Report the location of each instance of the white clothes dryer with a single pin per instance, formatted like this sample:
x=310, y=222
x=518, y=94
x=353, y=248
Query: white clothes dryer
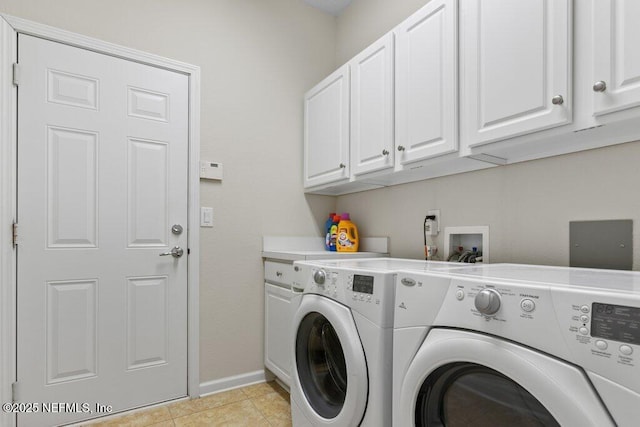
x=342, y=341
x=505, y=345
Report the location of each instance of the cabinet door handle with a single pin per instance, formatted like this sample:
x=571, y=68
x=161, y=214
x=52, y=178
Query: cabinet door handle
x=400, y=148
x=342, y=166
x=278, y=273
x=599, y=86
x=385, y=152
x=557, y=100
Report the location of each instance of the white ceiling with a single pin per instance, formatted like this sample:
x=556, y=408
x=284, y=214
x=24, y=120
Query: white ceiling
x=333, y=7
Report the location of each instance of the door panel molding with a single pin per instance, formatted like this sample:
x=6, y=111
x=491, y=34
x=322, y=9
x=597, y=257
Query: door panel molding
x=10, y=27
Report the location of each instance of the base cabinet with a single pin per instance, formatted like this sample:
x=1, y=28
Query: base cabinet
x=277, y=312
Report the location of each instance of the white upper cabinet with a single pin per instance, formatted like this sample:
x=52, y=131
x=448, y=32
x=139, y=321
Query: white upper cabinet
x=326, y=130
x=372, y=107
x=426, y=83
x=515, y=68
x=616, y=57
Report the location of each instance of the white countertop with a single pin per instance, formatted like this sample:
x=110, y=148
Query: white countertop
x=287, y=248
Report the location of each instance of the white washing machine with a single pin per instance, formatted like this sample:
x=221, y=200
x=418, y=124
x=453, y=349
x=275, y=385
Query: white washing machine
x=342, y=341
x=507, y=345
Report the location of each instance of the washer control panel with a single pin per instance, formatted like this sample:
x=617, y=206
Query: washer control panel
x=368, y=293
x=498, y=302
x=361, y=288
x=591, y=326
x=607, y=330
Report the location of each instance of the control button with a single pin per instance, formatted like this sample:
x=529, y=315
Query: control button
x=361, y=297
x=585, y=309
x=584, y=331
x=459, y=294
x=369, y=298
x=584, y=319
x=626, y=350
x=527, y=305
x=601, y=345
x=355, y=296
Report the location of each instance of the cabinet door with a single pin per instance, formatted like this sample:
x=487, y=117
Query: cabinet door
x=326, y=130
x=616, y=56
x=426, y=83
x=372, y=107
x=277, y=328
x=515, y=67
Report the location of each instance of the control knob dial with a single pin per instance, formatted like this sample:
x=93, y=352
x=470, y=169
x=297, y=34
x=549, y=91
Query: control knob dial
x=319, y=276
x=487, y=301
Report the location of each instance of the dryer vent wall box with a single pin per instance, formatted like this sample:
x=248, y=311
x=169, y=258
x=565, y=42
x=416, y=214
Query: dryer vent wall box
x=210, y=170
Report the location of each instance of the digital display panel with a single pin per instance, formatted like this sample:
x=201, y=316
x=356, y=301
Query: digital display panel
x=616, y=322
x=363, y=284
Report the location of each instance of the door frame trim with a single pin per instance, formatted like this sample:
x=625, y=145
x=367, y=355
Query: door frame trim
x=10, y=27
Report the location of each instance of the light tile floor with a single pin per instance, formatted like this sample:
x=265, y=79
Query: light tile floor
x=265, y=404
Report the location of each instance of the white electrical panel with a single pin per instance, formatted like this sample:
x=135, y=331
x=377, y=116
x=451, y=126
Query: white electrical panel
x=210, y=170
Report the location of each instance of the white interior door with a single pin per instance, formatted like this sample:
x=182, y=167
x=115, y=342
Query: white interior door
x=102, y=178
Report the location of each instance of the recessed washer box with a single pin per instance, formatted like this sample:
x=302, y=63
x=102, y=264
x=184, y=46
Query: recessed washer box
x=468, y=237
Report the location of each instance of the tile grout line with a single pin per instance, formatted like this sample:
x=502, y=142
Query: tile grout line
x=261, y=413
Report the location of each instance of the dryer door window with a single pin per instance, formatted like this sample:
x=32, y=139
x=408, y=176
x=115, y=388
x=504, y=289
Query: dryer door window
x=321, y=365
x=467, y=394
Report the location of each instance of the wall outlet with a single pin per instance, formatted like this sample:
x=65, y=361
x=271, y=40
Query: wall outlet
x=436, y=213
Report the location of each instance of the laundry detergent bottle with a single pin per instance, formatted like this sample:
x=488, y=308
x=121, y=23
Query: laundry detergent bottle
x=327, y=231
x=333, y=233
x=348, y=239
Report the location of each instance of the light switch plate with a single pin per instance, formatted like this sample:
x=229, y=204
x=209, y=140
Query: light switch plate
x=206, y=217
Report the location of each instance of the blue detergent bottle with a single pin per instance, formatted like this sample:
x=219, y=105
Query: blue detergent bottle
x=327, y=231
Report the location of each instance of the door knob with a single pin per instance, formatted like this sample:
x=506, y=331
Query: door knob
x=400, y=148
x=599, y=86
x=385, y=152
x=176, y=252
x=557, y=100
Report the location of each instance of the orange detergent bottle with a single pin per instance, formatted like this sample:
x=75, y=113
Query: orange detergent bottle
x=348, y=240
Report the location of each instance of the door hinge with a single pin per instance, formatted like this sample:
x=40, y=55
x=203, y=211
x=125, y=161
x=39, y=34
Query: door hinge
x=16, y=74
x=14, y=392
x=15, y=234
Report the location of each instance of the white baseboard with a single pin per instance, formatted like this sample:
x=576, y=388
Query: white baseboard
x=229, y=383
